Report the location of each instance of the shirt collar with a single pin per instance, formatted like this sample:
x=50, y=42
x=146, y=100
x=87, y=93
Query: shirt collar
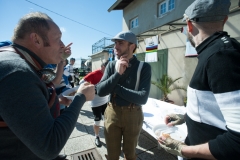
x=207, y=41
x=132, y=59
x=39, y=60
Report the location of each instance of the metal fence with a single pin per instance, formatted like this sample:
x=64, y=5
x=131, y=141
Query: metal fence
x=101, y=44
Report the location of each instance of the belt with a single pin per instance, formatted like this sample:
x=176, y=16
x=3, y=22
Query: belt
x=132, y=105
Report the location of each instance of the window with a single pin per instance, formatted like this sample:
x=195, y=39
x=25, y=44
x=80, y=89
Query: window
x=171, y=4
x=166, y=6
x=134, y=23
x=163, y=8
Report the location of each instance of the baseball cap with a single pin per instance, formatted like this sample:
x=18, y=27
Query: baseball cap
x=126, y=36
x=207, y=10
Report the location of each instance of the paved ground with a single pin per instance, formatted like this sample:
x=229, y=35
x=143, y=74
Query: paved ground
x=82, y=138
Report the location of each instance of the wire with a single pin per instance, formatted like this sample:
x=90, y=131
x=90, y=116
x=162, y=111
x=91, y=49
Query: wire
x=68, y=18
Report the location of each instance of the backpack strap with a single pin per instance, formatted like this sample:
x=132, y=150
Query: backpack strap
x=138, y=74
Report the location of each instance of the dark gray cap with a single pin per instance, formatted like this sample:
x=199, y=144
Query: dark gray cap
x=207, y=10
x=126, y=36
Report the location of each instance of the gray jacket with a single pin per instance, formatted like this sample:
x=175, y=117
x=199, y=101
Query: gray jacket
x=32, y=132
x=123, y=85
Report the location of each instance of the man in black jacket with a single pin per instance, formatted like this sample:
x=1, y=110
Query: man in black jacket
x=213, y=105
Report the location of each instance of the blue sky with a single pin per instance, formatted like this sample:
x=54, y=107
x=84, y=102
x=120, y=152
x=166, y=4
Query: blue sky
x=88, y=13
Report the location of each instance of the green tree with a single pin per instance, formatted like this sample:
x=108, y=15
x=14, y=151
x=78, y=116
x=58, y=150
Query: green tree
x=166, y=86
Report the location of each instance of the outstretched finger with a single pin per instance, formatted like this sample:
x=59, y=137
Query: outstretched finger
x=69, y=45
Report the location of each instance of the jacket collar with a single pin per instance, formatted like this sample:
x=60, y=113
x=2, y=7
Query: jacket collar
x=39, y=60
x=209, y=40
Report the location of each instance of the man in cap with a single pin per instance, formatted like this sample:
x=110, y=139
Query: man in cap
x=123, y=115
x=213, y=105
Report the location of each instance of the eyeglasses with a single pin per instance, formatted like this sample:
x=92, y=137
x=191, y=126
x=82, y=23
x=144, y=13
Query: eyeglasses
x=53, y=94
x=47, y=75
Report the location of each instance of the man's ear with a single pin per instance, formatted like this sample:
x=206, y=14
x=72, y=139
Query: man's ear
x=189, y=26
x=133, y=46
x=36, y=40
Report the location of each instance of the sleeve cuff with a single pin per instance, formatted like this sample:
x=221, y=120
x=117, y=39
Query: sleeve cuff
x=116, y=74
x=80, y=95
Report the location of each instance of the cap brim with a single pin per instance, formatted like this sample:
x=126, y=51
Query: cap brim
x=122, y=39
x=114, y=39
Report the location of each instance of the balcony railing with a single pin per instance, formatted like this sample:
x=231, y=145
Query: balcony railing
x=101, y=44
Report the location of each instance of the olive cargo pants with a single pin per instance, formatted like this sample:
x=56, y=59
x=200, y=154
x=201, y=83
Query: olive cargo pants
x=122, y=123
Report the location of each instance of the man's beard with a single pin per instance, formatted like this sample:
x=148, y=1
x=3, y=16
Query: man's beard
x=125, y=53
x=190, y=38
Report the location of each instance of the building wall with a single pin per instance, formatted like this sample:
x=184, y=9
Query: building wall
x=147, y=12
x=232, y=25
x=98, y=59
x=178, y=64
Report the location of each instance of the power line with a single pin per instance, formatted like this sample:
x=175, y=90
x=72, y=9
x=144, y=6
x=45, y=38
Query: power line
x=68, y=18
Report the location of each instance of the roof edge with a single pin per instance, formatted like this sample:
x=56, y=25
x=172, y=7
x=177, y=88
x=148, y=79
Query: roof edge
x=114, y=5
